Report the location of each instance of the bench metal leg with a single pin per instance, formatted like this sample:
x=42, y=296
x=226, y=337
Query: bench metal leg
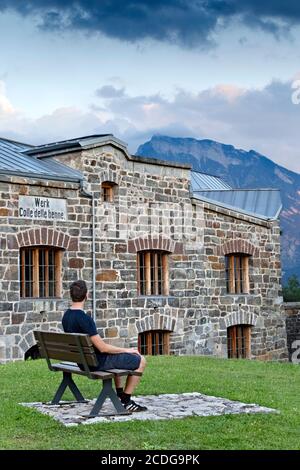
x=108, y=392
x=67, y=382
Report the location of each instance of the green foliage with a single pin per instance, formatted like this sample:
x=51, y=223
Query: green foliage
x=270, y=384
x=291, y=292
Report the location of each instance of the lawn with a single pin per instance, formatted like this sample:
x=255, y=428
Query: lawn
x=276, y=385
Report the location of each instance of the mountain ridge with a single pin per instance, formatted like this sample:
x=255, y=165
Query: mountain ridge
x=240, y=169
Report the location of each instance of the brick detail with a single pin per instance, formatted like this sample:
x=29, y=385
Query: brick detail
x=154, y=243
x=156, y=322
x=237, y=246
x=43, y=236
x=240, y=318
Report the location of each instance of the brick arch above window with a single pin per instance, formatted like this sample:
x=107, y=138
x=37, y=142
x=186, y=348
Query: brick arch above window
x=240, y=318
x=156, y=322
x=154, y=243
x=237, y=246
x=42, y=236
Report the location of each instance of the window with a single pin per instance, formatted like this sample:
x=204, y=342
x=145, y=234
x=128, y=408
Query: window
x=40, y=272
x=237, y=274
x=108, y=191
x=154, y=343
x=153, y=273
x=238, y=341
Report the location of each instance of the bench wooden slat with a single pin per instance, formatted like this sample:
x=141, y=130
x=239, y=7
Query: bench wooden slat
x=70, y=356
x=99, y=374
x=123, y=372
x=68, y=338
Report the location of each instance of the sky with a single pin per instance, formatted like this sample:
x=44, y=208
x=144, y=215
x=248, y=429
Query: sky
x=227, y=70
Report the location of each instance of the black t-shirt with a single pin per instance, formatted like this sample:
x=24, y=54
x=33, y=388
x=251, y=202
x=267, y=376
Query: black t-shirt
x=77, y=321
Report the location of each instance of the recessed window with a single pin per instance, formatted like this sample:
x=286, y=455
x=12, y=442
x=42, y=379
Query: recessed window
x=40, y=272
x=239, y=341
x=154, y=343
x=108, y=190
x=237, y=274
x=153, y=273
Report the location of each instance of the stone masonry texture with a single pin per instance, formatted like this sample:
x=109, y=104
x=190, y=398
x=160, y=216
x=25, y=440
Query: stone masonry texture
x=152, y=209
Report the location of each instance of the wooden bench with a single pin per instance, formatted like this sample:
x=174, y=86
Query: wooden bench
x=73, y=349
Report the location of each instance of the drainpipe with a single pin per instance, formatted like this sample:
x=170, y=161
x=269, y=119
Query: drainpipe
x=84, y=193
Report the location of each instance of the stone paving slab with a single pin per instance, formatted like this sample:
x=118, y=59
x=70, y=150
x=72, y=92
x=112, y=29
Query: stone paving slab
x=168, y=406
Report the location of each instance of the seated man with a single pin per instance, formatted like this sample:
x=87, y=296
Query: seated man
x=75, y=320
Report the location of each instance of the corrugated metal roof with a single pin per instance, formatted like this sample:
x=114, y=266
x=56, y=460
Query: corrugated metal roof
x=14, y=161
x=262, y=203
x=202, y=181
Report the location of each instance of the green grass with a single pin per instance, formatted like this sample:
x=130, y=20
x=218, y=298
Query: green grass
x=270, y=384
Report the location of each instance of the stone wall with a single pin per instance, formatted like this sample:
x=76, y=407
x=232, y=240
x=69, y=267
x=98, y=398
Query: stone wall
x=152, y=209
x=292, y=311
x=19, y=317
x=228, y=232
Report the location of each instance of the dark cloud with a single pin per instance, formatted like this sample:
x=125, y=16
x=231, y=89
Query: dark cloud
x=186, y=22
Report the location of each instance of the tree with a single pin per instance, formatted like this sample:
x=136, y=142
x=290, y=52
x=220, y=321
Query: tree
x=291, y=292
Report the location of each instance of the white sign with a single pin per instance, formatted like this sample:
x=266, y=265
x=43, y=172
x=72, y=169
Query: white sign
x=42, y=208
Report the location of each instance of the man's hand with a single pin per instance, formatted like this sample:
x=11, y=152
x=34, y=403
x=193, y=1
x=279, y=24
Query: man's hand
x=132, y=351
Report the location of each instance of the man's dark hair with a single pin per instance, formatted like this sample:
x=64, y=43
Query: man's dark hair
x=78, y=291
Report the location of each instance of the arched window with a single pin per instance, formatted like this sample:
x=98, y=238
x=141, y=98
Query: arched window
x=108, y=191
x=153, y=272
x=40, y=272
x=239, y=341
x=237, y=273
x=154, y=343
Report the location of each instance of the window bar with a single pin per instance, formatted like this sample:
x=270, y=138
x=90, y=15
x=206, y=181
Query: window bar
x=46, y=272
x=155, y=269
x=148, y=272
x=23, y=291
x=138, y=274
x=231, y=275
x=237, y=274
x=35, y=272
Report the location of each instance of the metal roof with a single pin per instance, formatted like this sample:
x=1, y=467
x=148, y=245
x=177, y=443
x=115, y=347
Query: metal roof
x=14, y=162
x=68, y=144
x=202, y=181
x=261, y=203
x=15, y=159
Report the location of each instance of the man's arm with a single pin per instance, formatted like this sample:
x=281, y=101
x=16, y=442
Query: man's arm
x=108, y=348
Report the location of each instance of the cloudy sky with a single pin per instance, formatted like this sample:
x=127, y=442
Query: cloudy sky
x=216, y=69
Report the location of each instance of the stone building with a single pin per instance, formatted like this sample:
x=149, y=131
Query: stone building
x=176, y=261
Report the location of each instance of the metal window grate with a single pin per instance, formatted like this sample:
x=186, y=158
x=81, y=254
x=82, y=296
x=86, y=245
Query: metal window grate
x=237, y=273
x=154, y=343
x=239, y=341
x=40, y=272
x=153, y=273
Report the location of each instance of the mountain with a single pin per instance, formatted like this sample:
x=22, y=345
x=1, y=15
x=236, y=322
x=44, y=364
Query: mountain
x=241, y=169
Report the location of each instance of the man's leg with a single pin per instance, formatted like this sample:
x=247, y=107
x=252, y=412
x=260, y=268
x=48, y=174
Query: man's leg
x=133, y=380
x=131, y=383
x=119, y=386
